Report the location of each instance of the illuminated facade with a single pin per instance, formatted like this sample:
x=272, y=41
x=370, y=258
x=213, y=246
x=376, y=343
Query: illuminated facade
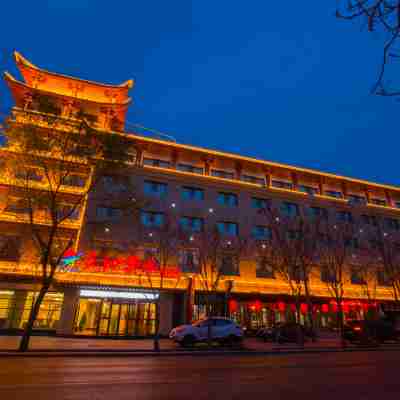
x=201, y=187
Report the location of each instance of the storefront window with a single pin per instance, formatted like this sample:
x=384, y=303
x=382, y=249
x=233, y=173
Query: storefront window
x=6, y=300
x=49, y=312
x=115, y=317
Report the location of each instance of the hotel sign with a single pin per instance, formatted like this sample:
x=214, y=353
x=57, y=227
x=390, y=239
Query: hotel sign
x=130, y=265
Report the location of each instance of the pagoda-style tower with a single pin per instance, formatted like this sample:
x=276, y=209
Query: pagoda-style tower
x=103, y=106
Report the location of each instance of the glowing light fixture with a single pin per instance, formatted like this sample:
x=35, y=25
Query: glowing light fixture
x=119, y=295
x=107, y=230
x=211, y=210
x=173, y=205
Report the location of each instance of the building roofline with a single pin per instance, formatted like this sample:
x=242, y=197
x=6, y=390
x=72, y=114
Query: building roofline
x=13, y=81
x=267, y=164
x=20, y=59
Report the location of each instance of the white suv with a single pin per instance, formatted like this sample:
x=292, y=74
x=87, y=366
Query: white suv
x=223, y=330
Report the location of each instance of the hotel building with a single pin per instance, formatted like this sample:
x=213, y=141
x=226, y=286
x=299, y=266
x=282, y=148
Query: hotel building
x=202, y=187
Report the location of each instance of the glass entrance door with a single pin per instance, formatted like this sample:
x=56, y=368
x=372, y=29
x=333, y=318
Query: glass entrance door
x=111, y=317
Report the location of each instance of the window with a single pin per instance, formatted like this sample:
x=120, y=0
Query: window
x=293, y=234
x=356, y=276
x=355, y=199
x=74, y=180
x=192, y=193
x=152, y=219
x=260, y=203
x=66, y=212
x=222, y=174
x=351, y=243
x=289, y=209
x=369, y=220
x=222, y=322
x=317, y=212
x=261, y=232
x=253, y=179
x=31, y=174
x=378, y=202
x=228, y=199
x=192, y=224
x=10, y=248
x=282, y=184
x=113, y=184
x=391, y=223
x=228, y=228
x=190, y=168
x=189, y=260
x=383, y=278
x=334, y=193
x=327, y=275
x=157, y=189
x=109, y=213
x=264, y=269
x=156, y=163
x=17, y=206
x=344, y=216
x=296, y=273
x=308, y=189
x=228, y=265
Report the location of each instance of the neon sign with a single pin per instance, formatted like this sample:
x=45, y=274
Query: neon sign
x=131, y=265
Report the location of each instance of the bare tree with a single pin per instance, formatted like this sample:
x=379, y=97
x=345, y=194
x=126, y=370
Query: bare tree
x=161, y=246
x=385, y=249
x=41, y=161
x=378, y=15
x=291, y=251
x=218, y=258
x=334, y=256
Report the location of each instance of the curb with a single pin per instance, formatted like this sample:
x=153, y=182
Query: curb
x=195, y=353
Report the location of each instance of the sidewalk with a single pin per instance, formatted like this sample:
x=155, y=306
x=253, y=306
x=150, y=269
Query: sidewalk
x=9, y=344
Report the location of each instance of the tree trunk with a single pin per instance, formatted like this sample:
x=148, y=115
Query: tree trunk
x=24, y=344
x=310, y=312
x=341, y=324
x=156, y=343
x=300, y=338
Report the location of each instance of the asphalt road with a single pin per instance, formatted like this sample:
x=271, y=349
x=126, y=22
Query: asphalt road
x=339, y=376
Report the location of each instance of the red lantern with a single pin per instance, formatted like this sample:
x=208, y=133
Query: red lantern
x=303, y=308
x=232, y=305
x=334, y=307
x=293, y=307
x=281, y=306
x=345, y=307
x=315, y=308
x=325, y=308
x=257, y=306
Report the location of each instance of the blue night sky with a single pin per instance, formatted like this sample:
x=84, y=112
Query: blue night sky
x=257, y=78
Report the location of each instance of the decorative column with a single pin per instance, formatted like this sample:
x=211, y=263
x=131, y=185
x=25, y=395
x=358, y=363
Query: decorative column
x=189, y=299
x=295, y=181
x=228, y=289
x=174, y=159
x=344, y=189
x=238, y=171
x=267, y=178
x=69, y=308
x=367, y=195
x=388, y=198
x=166, y=308
x=321, y=186
x=207, y=165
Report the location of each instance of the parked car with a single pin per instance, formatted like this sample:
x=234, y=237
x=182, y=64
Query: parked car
x=223, y=330
x=373, y=331
x=284, y=333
